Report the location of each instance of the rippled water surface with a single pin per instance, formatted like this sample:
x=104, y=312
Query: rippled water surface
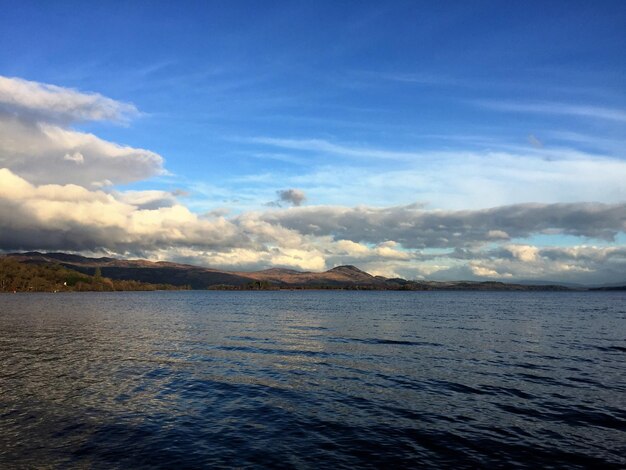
x=312, y=379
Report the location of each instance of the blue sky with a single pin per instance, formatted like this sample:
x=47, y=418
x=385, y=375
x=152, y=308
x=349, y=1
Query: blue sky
x=453, y=106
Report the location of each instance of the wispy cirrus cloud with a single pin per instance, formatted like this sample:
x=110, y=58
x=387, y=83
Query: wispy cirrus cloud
x=454, y=178
x=416, y=78
x=320, y=145
x=584, y=111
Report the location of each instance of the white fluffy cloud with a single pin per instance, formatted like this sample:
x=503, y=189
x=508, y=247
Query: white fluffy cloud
x=73, y=217
x=37, y=143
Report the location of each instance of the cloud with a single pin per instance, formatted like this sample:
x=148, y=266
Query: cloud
x=414, y=227
x=418, y=78
x=37, y=144
x=43, y=102
x=75, y=157
x=534, y=141
x=71, y=217
x=481, y=271
x=454, y=179
x=319, y=145
x=523, y=252
x=150, y=199
x=292, y=196
x=498, y=235
x=583, y=264
x=102, y=184
x=590, y=112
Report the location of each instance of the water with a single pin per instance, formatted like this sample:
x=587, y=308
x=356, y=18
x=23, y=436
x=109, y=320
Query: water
x=313, y=379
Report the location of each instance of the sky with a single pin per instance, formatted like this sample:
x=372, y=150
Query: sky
x=428, y=140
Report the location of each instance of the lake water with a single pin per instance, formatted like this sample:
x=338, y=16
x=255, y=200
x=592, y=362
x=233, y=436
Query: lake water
x=313, y=379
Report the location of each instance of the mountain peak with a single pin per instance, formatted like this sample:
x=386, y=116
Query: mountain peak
x=350, y=271
x=347, y=267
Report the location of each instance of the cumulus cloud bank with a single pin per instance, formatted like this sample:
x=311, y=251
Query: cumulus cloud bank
x=390, y=241
x=415, y=227
x=57, y=192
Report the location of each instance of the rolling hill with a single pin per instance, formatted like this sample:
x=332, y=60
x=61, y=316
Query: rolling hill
x=198, y=277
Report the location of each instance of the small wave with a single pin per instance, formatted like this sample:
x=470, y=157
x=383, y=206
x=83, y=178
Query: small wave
x=612, y=348
x=584, y=416
x=528, y=365
x=384, y=341
x=252, y=339
x=495, y=390
x=542, y=379
x=574, y=416
x=584, y=380
x=277, y=352
x=459, y=388
x=310, y=328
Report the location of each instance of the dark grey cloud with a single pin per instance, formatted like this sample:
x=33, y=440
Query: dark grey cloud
x=417, y=228
x=291, y=196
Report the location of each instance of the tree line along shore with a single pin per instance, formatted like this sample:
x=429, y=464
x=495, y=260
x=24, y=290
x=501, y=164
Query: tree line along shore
x=25, y=277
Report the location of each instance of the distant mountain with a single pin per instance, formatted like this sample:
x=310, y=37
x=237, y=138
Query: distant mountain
x=197, y=277
x=541, y=282
x=341, y=276
x=139, y=270
x=610, y=286
x=605, y=288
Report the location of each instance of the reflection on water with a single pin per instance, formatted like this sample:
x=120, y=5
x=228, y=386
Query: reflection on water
x=304, y=379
